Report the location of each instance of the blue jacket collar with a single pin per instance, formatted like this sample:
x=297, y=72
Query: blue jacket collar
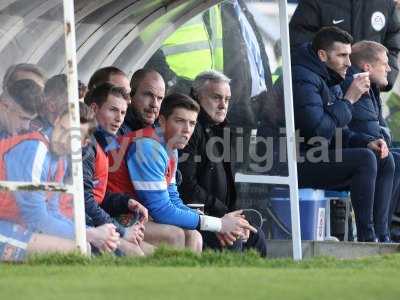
x=106, y=140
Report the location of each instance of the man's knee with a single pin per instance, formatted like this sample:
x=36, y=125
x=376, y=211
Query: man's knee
x=174, y=236
x=367, y=160
x=258, y=242
x=389, y=164
x=164, y=234
x=194, y=240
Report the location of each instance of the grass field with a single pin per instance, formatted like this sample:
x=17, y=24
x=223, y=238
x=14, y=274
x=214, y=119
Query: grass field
x=175, y=275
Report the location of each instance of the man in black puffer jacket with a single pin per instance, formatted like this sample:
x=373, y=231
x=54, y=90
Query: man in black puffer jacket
x=374, y=20
x=205, y=167
x=320, y=109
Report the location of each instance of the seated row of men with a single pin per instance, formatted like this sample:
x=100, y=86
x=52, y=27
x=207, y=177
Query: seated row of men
x=133, y=153
x=120, y=164
x=338, y=113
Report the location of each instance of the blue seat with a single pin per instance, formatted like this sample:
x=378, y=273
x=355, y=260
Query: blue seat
x=337, y=194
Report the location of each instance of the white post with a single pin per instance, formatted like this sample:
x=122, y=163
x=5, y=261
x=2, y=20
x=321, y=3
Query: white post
x=291, y=141
x=73, y=104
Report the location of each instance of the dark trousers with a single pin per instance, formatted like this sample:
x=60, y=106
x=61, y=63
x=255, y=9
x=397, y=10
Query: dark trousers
x=256, y=241
x=394, y=205
x=369, y=179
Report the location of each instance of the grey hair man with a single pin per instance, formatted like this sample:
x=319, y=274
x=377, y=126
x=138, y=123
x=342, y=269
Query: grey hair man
x=206, y=171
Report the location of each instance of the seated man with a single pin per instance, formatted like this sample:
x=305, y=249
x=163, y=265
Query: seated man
x=321, y=113
x=35, y=221
x=367, y=120
x=206, y=173
x=147, y=93
x=109, y=104
x=145, y=166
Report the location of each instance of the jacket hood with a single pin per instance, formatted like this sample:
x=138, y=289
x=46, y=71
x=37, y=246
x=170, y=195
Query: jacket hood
x=306, y=57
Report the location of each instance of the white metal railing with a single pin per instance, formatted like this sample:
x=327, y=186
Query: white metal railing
x=290, y=180
x=73, y=98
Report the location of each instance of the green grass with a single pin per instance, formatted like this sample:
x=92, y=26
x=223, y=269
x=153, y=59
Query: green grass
x=172, y=274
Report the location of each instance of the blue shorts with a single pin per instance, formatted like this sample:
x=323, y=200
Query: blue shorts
x=14, y=240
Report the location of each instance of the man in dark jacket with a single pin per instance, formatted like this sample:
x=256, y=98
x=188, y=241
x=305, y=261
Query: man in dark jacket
x=205, y=167
x=320, y=110
x=368, y=121
x=374, y=20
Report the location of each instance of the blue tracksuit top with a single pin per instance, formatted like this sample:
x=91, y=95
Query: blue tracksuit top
x=147, y=161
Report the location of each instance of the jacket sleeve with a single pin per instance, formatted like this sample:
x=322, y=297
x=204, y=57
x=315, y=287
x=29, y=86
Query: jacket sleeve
x=98, y=216
x=311, y=117
x=175, y=198
x=304, y=23
x=355, y=139
x=191, y=190
x=147, y=162
x=392, y=43
x=385, y=130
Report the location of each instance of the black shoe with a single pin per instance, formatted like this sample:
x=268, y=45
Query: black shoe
x=369, y=240
x=385, y=239
x=367, y=237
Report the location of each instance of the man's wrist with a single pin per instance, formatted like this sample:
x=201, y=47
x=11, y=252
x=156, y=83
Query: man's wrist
x=347, y=101
x=208, y=223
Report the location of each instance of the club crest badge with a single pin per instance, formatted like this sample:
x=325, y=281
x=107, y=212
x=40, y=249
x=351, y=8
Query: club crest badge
x=378, y=21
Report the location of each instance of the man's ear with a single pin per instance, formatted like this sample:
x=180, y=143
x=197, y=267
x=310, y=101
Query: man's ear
x=366, y=67
x=323, y=55
x=51, y=106
x=94, y=107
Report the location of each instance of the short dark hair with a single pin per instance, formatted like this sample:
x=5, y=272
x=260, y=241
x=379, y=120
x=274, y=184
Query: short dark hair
x=11, y=74
x=27, y=94
x=100, y=93
x=177, y=100
x=103, y=75
x=138, y=77
x=56, y=87
x=327, y=36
